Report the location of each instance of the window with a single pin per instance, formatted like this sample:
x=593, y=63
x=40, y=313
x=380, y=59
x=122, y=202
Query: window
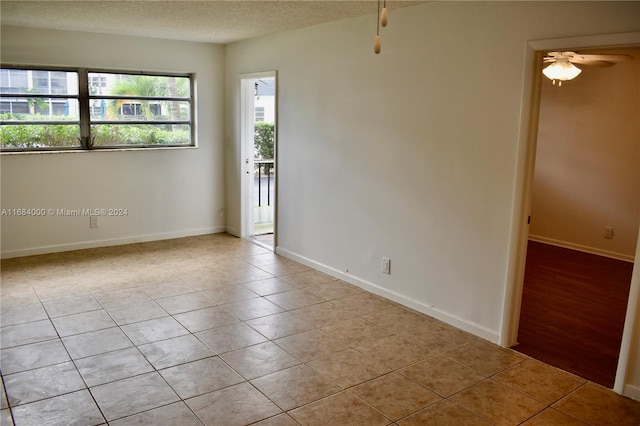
x=97, y=82
x=259, y=114
x=45, y=109
x=131, y=109
x=12, y=81
x=39, y=109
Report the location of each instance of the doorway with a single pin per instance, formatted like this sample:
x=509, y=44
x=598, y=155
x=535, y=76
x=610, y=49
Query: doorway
x=258, y=153
x=577, y=276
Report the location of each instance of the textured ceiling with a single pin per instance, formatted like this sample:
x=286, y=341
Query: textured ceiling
x=207, y=21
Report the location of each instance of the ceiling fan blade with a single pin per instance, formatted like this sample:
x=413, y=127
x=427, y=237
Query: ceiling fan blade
x=608, y=58
x=560, y=54
x=591, y=62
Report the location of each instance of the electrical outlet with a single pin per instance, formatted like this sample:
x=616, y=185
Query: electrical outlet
x=608, y=232
x=94, y=222
x=386, y=265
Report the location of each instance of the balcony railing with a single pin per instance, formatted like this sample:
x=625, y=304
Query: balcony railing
x=264, y=196
x=265, y=179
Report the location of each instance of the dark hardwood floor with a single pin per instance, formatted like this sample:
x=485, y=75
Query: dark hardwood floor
x=573, y=310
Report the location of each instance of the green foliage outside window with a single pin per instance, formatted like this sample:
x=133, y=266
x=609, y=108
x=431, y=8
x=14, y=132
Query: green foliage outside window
x=38, y=136
x=151, y=86
x=66, y=135
x=141, y=135
x=263, y=140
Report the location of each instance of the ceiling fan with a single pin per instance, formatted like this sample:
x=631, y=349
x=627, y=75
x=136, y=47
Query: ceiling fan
x=562, y=66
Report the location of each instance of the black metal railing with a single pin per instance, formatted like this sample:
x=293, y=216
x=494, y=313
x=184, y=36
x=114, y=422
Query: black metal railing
x=266, y=169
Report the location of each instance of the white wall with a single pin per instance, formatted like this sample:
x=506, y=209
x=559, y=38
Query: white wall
x=168, y=193
x=410, y=154
x=587, y=172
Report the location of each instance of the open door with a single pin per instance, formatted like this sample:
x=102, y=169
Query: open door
x=577, y=269
x=258, y=138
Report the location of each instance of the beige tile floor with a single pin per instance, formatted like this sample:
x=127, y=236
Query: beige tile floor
x=214, y=330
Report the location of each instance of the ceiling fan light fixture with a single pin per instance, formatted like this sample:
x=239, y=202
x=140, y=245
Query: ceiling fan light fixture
x=561, y=70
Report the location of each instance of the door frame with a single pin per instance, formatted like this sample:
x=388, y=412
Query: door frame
x=527, y=141
x=247, y=122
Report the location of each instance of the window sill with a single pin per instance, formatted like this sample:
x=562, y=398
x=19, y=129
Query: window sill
x=79, y=151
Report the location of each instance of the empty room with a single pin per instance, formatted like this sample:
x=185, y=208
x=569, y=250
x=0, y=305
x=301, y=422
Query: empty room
x=316, y=212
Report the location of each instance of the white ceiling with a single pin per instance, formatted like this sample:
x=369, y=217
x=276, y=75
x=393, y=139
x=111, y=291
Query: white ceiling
x=213, y=21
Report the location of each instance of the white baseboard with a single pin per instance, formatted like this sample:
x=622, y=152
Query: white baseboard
x=578, y=247
x=632, y=391
x=441, y=315
x=233, y=231
x=56, y=248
